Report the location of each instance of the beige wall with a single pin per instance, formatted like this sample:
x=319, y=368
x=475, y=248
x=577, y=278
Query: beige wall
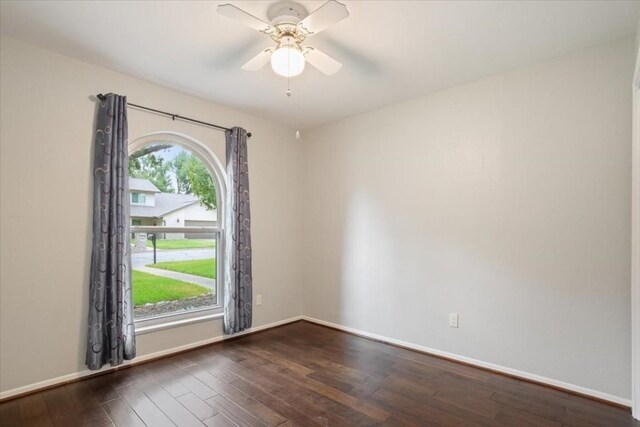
x=46, y=139
x=506, y=200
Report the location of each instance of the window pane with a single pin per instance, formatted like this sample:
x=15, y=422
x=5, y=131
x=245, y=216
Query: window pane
x=182, y=277
x=138, y=198
x=172, y=272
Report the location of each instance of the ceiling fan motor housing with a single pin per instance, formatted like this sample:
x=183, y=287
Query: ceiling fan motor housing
x=286, y=12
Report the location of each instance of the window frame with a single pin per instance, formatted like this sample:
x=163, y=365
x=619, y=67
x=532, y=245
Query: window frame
x=218, y=175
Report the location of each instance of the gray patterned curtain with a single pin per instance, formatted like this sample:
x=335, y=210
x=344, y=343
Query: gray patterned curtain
x=237, y=267
x=111, y=337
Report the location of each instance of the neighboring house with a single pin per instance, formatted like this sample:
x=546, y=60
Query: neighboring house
x=150, y=206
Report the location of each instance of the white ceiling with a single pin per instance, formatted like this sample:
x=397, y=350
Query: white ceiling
x=391, y=50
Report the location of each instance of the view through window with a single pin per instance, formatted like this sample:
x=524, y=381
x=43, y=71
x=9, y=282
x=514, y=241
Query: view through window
x=174, y=232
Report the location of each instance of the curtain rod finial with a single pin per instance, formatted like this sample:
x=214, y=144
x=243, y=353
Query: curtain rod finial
x=248, y=134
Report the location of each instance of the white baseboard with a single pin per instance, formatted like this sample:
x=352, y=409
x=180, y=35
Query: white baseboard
x=479, y=363
x=139, y=359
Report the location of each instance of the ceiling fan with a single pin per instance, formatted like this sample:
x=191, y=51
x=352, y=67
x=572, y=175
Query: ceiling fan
x=289, y=28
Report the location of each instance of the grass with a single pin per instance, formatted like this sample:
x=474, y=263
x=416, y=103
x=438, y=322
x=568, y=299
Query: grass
x=182, y=244
x=148, y=288
x=197, y=267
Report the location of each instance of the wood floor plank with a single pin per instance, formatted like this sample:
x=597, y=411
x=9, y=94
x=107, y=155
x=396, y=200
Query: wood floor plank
x=551, y=411
x=163, y=375
x=32, y=406
x=126, y=377
x=62, y=409
x=121, y=413
x=588, y=416
x=418, y=411
x=233, y=412
x=148, y=412
x=42, y=420
x=370, y=410
x=323, y=409
x=10, y=413
x=288, y=363
x=102, y=388
x=335, y=380
x=366, y=363
x=87, y=405
x=303, y=400
x=408, y=387
x=194, y=385
x=324, y=390
x=197, y=406
x=214, y=364
x=303, y=374
x=173, y=409
x=515, y=417
x=367, y=388
x=279, y=405
x=577, y=405
x=219, y=421
x=268, y=416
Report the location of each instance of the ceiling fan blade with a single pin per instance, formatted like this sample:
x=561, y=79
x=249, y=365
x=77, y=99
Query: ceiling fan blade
x=258, y=61
x=321, y=61
x=239, y=15
x=323, y=17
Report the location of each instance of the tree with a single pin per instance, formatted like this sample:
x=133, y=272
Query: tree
x=153, y=168
x=193, y=177
x=179, y=166
x=148, y=150
x=201, y=183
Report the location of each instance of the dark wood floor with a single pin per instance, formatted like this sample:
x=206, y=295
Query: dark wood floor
x=307, y=375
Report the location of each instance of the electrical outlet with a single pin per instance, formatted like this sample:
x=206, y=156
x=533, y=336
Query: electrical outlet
x=258, y=299
x=453, y=320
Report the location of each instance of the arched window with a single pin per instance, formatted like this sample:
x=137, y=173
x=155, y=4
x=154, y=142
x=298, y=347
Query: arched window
x=176, y=187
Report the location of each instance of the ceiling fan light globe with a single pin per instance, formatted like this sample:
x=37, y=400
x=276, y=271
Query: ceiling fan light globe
x=287, y=61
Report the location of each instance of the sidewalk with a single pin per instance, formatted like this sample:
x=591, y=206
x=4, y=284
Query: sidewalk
x=198, y=280
x=140, y=259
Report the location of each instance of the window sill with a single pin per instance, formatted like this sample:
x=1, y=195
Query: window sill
x=141, y=330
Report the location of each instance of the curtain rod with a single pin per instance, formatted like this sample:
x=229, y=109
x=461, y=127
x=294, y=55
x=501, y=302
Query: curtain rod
x=102, y=97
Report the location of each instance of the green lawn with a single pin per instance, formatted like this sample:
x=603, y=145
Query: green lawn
x=148, y=288
x=182, y=244
x=198, y=267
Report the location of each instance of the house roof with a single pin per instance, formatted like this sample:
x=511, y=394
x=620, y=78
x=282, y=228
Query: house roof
x=139, y=184
x=165, y=203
